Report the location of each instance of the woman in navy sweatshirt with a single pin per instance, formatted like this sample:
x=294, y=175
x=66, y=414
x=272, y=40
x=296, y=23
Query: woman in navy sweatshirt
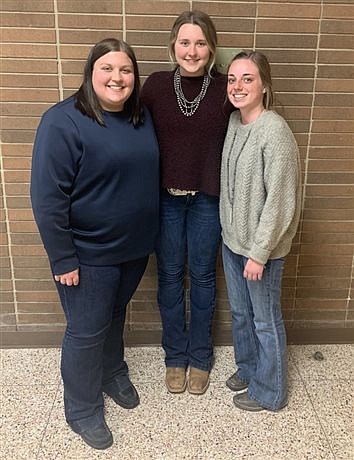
x=94, y=191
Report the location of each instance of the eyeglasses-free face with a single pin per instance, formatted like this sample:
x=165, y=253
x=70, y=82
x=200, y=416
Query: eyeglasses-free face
x=113, y=80
x=245, y=88
x=191, y=50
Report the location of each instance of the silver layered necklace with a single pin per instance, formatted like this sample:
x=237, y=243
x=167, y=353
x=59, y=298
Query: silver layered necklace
x=188, y=108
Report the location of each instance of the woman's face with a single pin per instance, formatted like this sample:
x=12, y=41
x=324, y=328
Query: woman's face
x=245, y=88
x=113, y=80
x=191, y=50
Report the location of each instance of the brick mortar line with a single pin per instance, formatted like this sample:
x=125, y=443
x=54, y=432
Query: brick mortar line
x=306, y=171
x=57, y=45
x=124, y=21
x=311, y=119
x=351, y=285
x=255, y=25
x=9, y=239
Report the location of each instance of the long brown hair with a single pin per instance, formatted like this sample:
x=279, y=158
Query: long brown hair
x=263, y=66
x=86, y=99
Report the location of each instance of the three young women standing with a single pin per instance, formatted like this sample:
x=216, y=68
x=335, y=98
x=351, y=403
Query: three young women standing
x=190, y=118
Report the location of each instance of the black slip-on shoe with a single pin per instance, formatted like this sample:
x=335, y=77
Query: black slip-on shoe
x=99, y=437
x=124, y=394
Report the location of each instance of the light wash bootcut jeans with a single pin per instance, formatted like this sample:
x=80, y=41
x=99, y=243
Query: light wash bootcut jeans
x=188, y=225
x=258, y=329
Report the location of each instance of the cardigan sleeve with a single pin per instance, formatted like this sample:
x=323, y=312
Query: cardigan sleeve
x=281, y=182
x=55, y=162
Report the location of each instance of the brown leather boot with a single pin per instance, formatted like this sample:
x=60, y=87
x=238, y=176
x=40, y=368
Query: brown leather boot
x=176, y=381
x=198, y=381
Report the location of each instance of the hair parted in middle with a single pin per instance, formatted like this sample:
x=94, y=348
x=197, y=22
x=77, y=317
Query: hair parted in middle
x=85, y=98
x=262, y=63
x=201, y=19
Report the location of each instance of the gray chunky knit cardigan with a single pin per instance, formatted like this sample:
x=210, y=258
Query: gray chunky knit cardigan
x=260, y=199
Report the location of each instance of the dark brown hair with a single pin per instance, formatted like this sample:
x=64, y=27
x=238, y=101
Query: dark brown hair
x=86, y=99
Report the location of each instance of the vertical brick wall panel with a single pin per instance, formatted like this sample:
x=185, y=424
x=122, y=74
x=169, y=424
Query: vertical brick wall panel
x=310, y=46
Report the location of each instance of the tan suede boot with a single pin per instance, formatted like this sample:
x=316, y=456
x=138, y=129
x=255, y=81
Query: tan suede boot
x=176, y=381
x=198, y=381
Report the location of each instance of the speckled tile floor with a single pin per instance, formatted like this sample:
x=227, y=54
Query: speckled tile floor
x=317, y=423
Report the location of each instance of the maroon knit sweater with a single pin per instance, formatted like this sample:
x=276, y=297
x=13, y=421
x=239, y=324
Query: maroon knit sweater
x=190, y=147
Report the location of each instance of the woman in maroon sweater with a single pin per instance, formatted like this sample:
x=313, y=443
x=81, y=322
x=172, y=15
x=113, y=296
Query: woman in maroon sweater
x=190, y=117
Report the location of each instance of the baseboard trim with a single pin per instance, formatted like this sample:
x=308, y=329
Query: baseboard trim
x=53, y=339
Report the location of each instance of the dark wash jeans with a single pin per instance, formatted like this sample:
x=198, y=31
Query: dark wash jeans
x=188, y=224
x=93, y=348
x=258, y=329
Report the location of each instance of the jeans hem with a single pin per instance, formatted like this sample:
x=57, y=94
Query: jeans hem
x=265, y=405
x=242, y=379
x=205, y=367
x=88, y=423
x=176, y=364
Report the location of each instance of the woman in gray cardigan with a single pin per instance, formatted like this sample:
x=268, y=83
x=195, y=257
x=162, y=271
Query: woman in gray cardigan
x=259, y=209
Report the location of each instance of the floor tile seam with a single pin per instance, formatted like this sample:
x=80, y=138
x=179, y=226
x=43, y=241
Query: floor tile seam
x=218, y=382
x=30, y=384
x=215, y=381
x=326, y=379
x=52, y=408
x=295, y=362
x=315, y=411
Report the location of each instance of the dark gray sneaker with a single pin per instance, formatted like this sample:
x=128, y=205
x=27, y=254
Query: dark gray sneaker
x=99, y=437
x=243, y=401
x=235, y=384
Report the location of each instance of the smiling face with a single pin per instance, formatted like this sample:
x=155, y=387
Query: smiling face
x=191, y=50
x=245, y=88
x=113, y=80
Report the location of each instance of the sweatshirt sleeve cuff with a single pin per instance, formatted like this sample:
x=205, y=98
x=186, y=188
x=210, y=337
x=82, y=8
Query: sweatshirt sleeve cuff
x=59, y=267
x=259, y=254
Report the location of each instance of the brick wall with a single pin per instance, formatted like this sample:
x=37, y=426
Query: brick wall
x=310, y=46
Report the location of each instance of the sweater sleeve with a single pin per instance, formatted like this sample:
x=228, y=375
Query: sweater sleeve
x=281, y=181
x=56, y=154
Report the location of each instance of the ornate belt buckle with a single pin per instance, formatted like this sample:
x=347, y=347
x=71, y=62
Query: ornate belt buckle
x=178, y=192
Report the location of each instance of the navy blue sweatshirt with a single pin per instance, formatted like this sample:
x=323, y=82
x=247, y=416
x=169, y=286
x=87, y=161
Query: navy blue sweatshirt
x=94, y=189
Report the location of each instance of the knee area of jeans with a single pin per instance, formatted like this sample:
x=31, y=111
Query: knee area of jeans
x=202, y=278
x=171, y=277
x=266, y=325
x=88, y=336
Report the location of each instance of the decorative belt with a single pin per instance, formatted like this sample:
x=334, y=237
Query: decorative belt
x=178, y=192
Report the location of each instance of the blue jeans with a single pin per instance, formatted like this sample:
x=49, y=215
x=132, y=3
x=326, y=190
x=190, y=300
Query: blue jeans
x=188, y=225
x=258, y=329
x=93, y=348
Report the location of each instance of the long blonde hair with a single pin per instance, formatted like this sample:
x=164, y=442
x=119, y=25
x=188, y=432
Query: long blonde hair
x=205, y=23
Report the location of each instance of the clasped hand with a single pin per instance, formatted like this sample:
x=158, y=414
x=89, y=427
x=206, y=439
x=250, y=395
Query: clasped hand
x=253, y=270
